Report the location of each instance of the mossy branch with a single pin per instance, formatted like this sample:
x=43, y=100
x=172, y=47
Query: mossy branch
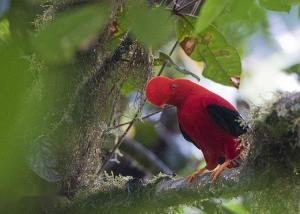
x=271, y=168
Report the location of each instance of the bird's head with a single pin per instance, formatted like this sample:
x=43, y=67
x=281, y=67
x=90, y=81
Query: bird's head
x=162, y=90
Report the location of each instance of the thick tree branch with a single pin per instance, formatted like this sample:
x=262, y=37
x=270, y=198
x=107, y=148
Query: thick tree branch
x=272, y=166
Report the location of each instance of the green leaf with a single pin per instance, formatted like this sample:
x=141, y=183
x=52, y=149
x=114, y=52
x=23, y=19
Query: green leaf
x=210, y=11
x=276, y=5
x=237, y=26
x=60, y=39
x=151, y=26
x=222, y=60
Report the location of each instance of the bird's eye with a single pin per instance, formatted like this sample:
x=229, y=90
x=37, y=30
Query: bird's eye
x=173, y=87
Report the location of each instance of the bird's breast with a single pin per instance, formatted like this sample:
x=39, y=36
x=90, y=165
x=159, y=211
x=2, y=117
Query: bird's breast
x=196, y=123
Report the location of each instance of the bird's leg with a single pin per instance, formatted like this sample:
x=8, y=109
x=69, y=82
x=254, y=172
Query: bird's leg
x=217, y=171
x=192, y=176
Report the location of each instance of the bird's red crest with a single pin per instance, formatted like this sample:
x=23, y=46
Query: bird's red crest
x=158, y=90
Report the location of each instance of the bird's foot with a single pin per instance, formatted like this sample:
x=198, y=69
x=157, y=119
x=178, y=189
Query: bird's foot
x=192, y=176
x=218, y=170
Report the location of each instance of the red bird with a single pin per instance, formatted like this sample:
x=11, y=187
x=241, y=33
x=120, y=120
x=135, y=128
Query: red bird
x=205, y=119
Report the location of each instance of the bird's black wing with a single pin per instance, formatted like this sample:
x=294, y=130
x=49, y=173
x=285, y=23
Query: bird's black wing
x=229, y=120
x=186, y=137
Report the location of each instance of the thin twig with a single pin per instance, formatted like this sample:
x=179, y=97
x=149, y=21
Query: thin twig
x=196, y=6
x=142, y=118
x=165, y=63
x=186, y=5
x=175, y=2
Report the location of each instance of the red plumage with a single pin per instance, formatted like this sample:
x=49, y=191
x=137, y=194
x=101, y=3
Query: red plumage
x=205, y=118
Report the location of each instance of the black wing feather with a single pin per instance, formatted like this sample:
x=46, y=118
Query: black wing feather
x=229, y=120
x=185, y=136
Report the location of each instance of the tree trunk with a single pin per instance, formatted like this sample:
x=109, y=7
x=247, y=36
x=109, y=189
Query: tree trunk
x=78, y=134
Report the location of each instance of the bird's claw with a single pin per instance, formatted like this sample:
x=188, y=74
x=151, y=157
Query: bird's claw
x=214, y=175
x=216, y=172
x=192, y=176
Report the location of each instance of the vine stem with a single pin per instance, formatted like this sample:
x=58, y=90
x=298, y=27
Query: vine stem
x=142, y=118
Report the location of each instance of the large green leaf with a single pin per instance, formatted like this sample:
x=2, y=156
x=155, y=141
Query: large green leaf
x=222, y=61
x=151, y=26
x=210, y=11
x=237, y=25
x=59, y=40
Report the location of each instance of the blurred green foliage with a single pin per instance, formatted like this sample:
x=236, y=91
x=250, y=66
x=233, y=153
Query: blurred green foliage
x=209, y=12
x=4, y=30
x=279, y=5
x=235, y=206
x=14, y=82
x=237, y=26
x=146, y=134
x=151, y=26
x=35, y=90
x=62, y=37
